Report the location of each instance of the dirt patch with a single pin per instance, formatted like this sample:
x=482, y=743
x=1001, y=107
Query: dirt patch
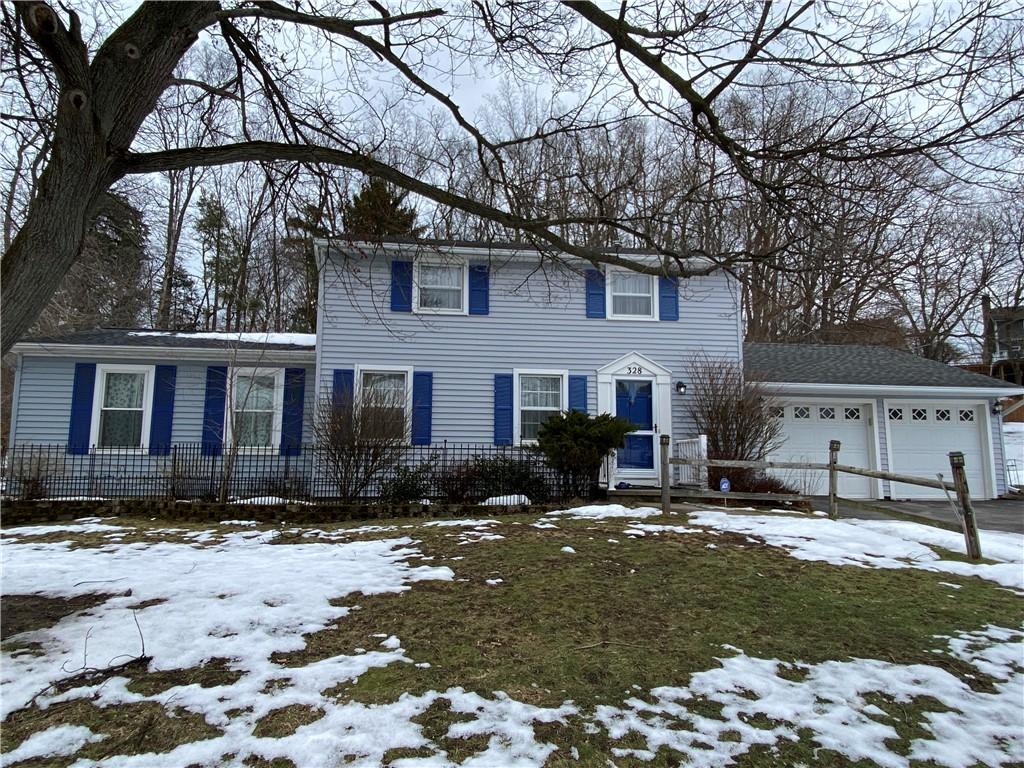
x=212, y=673
x=27, y=613
x=286, y=721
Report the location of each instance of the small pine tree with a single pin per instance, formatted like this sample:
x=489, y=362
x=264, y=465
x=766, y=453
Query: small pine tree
x=377, y=210
x=576, y=444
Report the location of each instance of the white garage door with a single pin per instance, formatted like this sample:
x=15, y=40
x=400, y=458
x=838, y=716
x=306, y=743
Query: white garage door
x=923, y=434
x=808, y=426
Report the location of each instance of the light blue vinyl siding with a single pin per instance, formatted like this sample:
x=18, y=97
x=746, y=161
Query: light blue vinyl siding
x=44, y=401
x=537, y=319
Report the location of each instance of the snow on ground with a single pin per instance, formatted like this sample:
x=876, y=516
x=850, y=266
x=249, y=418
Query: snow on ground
x=513, y=500
x=876, y=543
x=60, y=740
x=84, y=525
x=602, y=511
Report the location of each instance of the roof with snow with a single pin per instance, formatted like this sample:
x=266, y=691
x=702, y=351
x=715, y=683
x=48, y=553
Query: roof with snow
x=144, y=337
x=857, y=364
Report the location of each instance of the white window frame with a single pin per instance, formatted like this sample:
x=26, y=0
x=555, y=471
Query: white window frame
x=609, y=297
x=517, y=408
x=407, y=370
x=229, y=408
x=462, y=264
x=99, y=389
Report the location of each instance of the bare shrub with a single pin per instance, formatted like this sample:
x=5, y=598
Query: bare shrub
x=735, y=414
x=31, y=473
x=360, y=439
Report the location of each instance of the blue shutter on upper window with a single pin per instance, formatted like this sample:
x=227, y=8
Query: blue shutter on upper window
x=213, y=409
x=595, y=293
x=161, y=423
x=479, y=289
x=291, y=411
x=668, y=298
x=503, y=409
x=343, y=388
x=422, y=406
x=81, y=407
x=401, y=286
x=578, y=393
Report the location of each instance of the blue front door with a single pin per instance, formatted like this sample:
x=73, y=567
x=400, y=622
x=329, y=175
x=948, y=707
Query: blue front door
x=634, y=401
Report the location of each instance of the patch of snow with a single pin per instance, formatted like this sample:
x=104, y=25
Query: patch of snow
x=641, y=528
x=495, y=582
x=77, y=527
x=53, y=742
x=247, y=523
x=543, y=525
x=257, y=337
x=268, y=500
x=459, y=523
x=569, y=550
x=602, y=511
x=877, y=544
x=513, y=500
x=392, y=643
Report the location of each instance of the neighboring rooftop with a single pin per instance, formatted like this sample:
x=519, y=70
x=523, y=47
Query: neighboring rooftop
x=857, y=364
x=144, y=337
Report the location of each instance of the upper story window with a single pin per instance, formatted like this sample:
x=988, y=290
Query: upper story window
x=631, y=295
x=540, y=395
x=257, y=395
x=384, y=402
x=441, y=287
x=121, y=412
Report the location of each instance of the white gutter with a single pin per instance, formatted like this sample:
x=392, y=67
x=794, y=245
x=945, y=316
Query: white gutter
x=892, y=389
x=39, y=349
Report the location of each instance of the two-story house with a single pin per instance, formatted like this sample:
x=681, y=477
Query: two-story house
x=482, y=342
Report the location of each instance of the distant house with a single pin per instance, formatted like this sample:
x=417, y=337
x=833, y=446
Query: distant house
x=484, y=342
x=1004, y=342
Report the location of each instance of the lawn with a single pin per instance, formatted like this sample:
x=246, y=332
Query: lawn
x=600, y=636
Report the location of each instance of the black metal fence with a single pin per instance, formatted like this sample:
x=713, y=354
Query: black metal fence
x=449, y=472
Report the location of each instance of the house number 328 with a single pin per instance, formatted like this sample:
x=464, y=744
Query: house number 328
x=634, y=370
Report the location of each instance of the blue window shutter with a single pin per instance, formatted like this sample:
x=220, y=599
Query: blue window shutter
x=343, y=388
x=578, y=393
x=163, y=410
x=668, y=298
x=479, y=289
x=213, y=409
x=291, y=411
x=401, y=286
x=503, y=409
x=81, y=407
x=422, y=406
x=595, y=293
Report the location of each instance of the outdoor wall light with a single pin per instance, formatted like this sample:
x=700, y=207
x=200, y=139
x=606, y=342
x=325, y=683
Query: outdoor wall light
x=997, y=408
x=680, y=388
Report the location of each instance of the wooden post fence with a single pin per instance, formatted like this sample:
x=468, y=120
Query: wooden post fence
x=833, y=479
x=963, y=497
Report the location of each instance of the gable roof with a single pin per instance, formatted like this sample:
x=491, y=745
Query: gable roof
x=144, y=337
x=856, y=364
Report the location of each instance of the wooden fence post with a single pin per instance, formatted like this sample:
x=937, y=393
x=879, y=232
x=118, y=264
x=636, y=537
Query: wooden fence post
x=833, y=479
x=666, y=476
x=963, y=496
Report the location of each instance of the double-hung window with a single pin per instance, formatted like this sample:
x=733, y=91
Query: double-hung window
x=121, y=412
x=631, y=295
x=441, y=287
x=257, y=395
x=540, y=394
x=384, y=401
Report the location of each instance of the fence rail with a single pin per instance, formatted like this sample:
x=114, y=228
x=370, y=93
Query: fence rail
x=450, y=472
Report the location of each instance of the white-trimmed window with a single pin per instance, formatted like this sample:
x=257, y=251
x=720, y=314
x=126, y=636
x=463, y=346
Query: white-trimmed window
x=539, y=394
x=256, y=398
x=122, y=409
x=387, y=391
x=441, y=287
x=631, y=295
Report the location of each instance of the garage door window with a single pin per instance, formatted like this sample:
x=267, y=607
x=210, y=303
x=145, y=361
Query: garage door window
x=777, y=412
x=895, y=414
x=919, y=414
x=801, y=412
x=827, y=413
x=851, y=414
x=942, y=414
x=966, y=414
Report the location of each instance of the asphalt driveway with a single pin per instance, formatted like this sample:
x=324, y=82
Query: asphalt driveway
x=996, y=515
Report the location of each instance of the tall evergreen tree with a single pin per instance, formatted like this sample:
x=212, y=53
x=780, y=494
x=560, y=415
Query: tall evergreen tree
x=378, y=210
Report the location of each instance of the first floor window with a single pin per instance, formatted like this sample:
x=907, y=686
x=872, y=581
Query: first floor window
x=122, y=409
x=540, y=396
x=440, y=287
x=383, y=400
x=255, y=404
x=632, y=294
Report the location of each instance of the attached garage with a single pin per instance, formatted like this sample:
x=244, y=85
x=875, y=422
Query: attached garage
x=891, y=410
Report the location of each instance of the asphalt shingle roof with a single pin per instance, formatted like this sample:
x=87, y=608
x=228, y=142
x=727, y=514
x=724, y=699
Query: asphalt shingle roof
x=854, y=364
x=144, y=337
